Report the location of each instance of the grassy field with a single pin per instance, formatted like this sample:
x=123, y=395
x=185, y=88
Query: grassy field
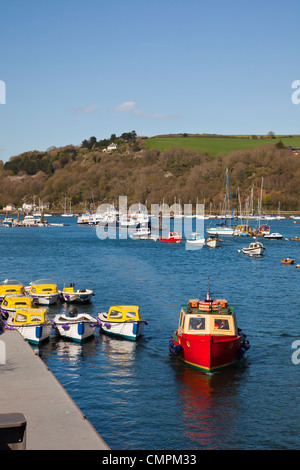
x=215, y=145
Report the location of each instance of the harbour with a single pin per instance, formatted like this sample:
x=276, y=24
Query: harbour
x=136, y=395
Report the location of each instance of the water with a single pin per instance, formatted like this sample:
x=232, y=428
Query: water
x=136, y=395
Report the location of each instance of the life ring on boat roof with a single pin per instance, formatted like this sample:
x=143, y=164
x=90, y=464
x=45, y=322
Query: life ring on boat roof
x=207, y=305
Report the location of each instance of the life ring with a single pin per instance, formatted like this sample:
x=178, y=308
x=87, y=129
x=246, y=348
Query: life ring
x=207, y=306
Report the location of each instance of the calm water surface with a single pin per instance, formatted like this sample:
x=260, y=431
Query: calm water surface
x=136, y=395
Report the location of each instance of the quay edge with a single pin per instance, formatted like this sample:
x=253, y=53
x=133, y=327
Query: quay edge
x=53, y=420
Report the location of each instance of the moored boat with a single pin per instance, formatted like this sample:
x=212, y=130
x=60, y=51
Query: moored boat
x=10, y=286
x=172, y=237
x=123, y=321
x=11, y=303
x=77, y=327
x=196, y=239
x=44, y=291
x=207, y=337
x=213, y=242
x=32, y=323
x=254, y=249
x=287, y=261
x=70, y=295
x=273, y=236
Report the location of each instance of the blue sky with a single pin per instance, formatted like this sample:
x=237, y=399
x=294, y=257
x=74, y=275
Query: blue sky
x=75, y=69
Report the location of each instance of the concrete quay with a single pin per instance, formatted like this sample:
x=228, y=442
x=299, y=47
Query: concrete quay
x=53, y=420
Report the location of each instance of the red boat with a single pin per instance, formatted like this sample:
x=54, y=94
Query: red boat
x=173, y=237
x=207, y=336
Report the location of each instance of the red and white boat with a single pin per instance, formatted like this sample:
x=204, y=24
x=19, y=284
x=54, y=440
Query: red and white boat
x=207, y=336
x=173, y=237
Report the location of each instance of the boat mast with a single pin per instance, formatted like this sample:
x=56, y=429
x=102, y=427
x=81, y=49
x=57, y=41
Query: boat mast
x=229, y=191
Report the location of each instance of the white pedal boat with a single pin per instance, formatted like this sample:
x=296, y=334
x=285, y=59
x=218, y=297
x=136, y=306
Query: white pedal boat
x=77, y=327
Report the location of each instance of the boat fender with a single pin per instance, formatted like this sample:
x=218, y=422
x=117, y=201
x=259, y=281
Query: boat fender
x=65, y=327
x=146, y=323
x=99, y=322
x=174, y=349
x=80, y=328
x=107, y=325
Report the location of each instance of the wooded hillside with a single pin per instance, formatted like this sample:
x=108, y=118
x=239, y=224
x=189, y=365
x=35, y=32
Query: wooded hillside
x=88, y=175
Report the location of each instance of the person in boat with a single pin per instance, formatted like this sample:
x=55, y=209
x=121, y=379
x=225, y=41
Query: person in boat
x=197, y=324
x=221, y=324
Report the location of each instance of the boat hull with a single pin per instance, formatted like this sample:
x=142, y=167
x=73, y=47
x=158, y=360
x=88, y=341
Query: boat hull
x=75, y=329
x=76, y=297
x=45, y=299
x=207, y=352
x=220, y=231
x=253, y=252
x=35, y=334
x=130, y=330
x=170, y=240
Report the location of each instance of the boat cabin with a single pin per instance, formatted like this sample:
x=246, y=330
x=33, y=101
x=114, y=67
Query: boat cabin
x=123, y=313
x=244, y=229
x=30, y=316
x=207, y=318
x=43, y=286
x=11, y=287
x=16, y=302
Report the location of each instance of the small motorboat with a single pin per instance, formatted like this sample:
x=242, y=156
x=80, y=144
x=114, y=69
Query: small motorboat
x=207, y=336
x=70, y=295
x=77, y=327
x=123, y=321
x=11, y=303
x=287, y=261
x=172, y=237
x=144, y=233
x=263, y=230
x=32, y=323
x=196, y=239
x=10, y=286
x=44, y=291
x=254, y=249
x=273, y=236
x=213, y=241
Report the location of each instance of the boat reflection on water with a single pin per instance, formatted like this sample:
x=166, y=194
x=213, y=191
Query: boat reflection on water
x=68, y=350
x=209, y=409
x=119, y=352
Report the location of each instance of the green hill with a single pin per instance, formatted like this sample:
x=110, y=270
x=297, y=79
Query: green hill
x=215, y=144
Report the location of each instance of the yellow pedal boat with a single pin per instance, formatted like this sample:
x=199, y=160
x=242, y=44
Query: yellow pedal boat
x=33, y=324
x=123, y=321
x=44, y=291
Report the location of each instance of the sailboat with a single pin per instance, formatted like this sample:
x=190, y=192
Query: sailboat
x=222, y=228
x=65, y=214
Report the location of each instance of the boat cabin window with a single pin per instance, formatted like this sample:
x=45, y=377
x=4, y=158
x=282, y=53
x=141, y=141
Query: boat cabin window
x=5, y=302
x=197, y=324
x=21, y=318
x=20, y=303
x=131, y=315
x=48, y=289
x=182, y=320
x=221, y=324
x=36, y=317
x=115, y=314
